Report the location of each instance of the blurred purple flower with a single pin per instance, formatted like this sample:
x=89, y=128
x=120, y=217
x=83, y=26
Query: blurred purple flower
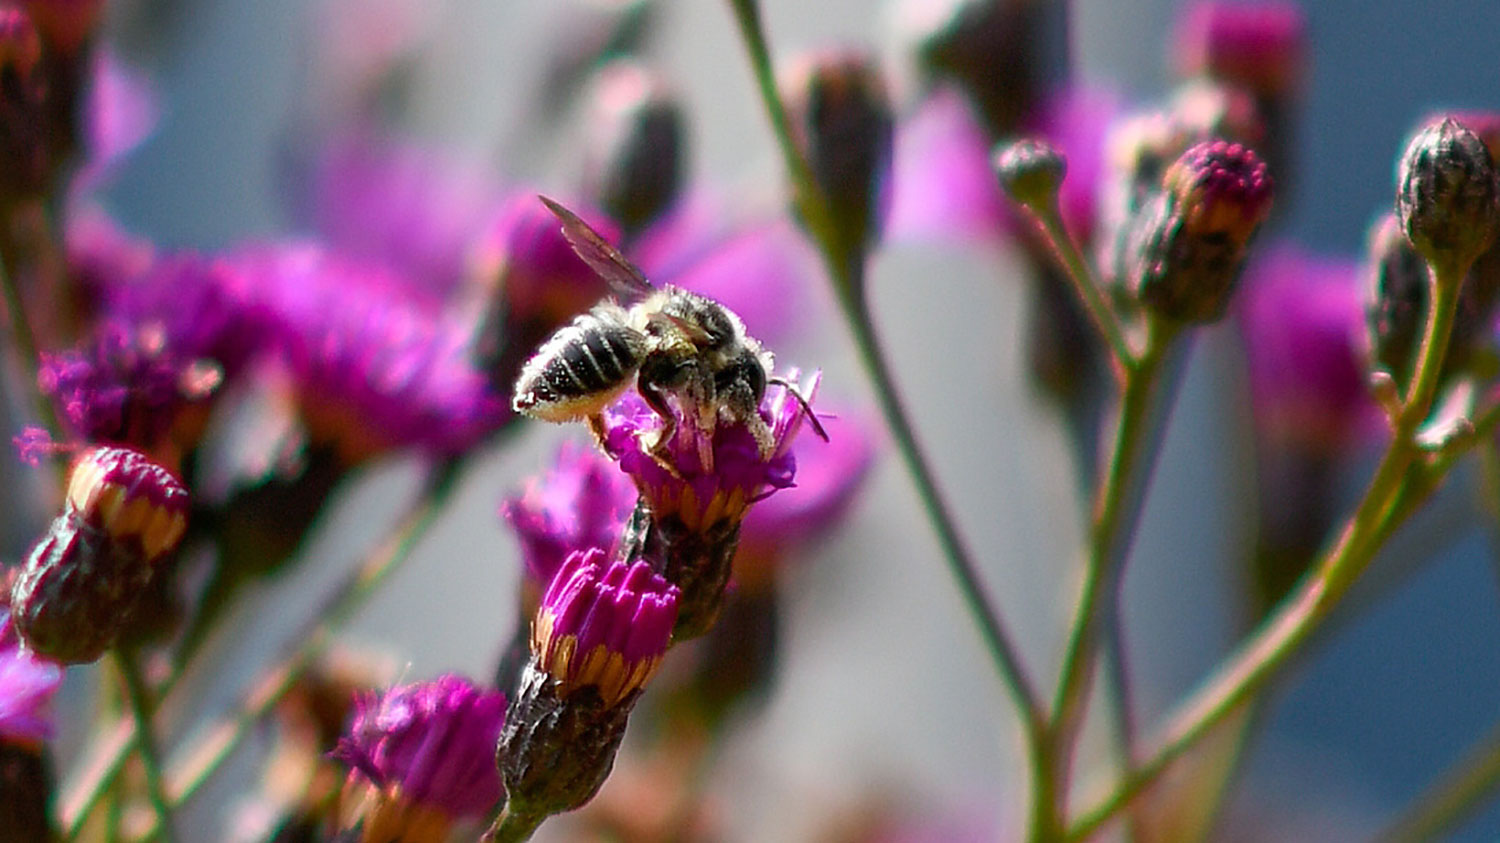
x=430, y=744
x=603, y=625
x=27, y=685
x=1259, y=46
x=410, y=207
x=739, y=477
x=581, y=503
x=373, y=368
x=1302, y=323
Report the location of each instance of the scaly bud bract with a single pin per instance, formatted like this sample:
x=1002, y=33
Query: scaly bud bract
x=1448, y=194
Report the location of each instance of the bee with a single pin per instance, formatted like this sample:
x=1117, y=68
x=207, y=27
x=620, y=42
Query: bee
x=670, y=342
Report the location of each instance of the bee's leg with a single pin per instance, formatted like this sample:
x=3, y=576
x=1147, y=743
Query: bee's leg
x=596, y=427
x=663, y=435
x=807, y=410
x=739, y=403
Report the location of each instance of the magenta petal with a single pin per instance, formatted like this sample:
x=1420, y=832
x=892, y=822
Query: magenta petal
x=943, y=188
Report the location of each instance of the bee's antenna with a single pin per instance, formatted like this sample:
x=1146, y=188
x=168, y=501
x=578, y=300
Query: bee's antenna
x=807, y=409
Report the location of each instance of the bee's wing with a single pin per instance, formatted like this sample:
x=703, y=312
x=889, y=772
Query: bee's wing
x=623, y=277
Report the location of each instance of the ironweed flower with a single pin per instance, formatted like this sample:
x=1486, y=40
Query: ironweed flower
x=1260, y=47
x=598, y=637
x=85, y=578
x=373, y=370
x=689, y=515
x=422, y=757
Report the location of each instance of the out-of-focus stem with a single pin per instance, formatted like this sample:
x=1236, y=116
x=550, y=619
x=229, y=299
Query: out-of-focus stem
x=138, y=698
x=1086, y=286
x=22, y=334
x=847, y=278
x=1387, y=502
x=1117, y=506
x=1462, y=789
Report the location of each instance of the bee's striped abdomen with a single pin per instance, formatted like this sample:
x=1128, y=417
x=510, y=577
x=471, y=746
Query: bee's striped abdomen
x=581, y=368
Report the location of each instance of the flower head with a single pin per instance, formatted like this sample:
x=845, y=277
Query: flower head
x=27, y=685
x=429, y=745
x=1258, y=46
x=638, y=143
x=604, y=626
x=698, y=496
x=373, y=370
x=1301, y=320
x=581, y=503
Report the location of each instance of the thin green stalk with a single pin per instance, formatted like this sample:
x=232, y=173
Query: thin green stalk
x=138, y=698
x=1466, y=787
x=1087, y=287
x=848, y=281
x=1283, y=633
x=513, y=827
x=1117, y=506
x=274, y=682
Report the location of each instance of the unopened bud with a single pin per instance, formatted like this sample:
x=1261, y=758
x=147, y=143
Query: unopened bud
x=842, y=117
x=598, y=637
x=83, y=581
x=65, y=24
x=1191, y=239
x=1396, y=297
x=24, y=118
x=639, y=145
x=1448, y=196
x=26, y=792
x=991, y=49
x=1031, y=171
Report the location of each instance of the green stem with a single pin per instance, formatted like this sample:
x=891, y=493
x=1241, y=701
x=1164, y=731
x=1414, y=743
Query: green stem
x=847, y=278
x=274, y=682
x=513, y=827
x=1465, y=787
x=1385, y=503
x=960, y=562
x=1117, y=506
x=138, y=698
x=1086, y=286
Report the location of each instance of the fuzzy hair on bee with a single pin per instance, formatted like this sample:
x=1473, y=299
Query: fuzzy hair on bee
x=671, y=343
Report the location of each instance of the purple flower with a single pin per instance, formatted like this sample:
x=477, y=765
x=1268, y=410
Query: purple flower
x=703, y=498
x=27, y=684
x=603, y=625
x=429, y=744
x=829, y=477
x=408, y=207
x=581, y=503
x=1302, y=321
x=127, y=386
x=1258, y=46
x=373, y=369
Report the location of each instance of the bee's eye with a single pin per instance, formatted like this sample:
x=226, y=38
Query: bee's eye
x=718, y=327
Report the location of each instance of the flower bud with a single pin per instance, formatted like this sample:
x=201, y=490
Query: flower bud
x=26, y=791
x=66, y=24
x=1396, y=297
x=1448, y=196
x=842, y=118
x=83, y=580
x=599, y=635
x=1193, y=236
x=639, y=145
x=990, y=48
x=1031, y=171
